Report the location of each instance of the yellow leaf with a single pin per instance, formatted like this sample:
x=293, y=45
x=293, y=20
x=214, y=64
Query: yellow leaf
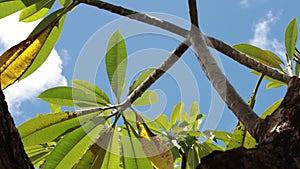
x=156, y=151
x=15, y=61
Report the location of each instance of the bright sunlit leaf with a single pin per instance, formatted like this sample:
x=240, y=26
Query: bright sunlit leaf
x=132, y=151
x=260, y=55
x=147, y=98
x=46, y=128
x=50, y=41
x=271, y=109
x=72, y=146
x=94, y=156
x=177, y=109
x=36, y=10
x=241, y=138
x=162, y=121
x=93, y=90
x=68, y=96
x=12, y=6
x=290, y=38
x=116, y=63
x=15, y=61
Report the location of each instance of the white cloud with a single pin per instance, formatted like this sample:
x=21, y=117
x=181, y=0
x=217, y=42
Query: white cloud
x=244, y=3
x=261, y=31
x=65, y=56
x=48, y=75
x=252, y=3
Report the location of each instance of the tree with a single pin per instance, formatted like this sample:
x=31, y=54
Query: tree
x=72, y=139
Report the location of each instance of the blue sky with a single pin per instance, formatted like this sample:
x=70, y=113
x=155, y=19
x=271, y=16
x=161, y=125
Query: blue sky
x=260, y=22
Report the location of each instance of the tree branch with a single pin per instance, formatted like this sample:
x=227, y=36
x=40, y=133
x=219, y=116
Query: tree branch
x=214, y=43
x=245, y=60
x=169, y=62
x=193, y=13
x=242, y=111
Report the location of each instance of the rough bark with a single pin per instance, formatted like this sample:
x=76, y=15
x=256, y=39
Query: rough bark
x=279, y=147
x=12, y=153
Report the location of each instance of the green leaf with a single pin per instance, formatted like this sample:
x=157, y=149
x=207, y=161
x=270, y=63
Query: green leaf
x=116, y=63
x=54, y=108
x=241, y=138
x=183, y=117
x=140, y=79
x=16, y=60
x=258, y=54
x=148, y=97
x=275, y=84
x=71, y=147
x=271, y=109
x=112, y=156
x=177, y=109
x=195, y=133
x=212, y=146
x=12, y=6
x=91, y=89
x=39, y=153
x=94, y=156
x=202, y=150
x=36, y=11
x=192, y=159
x=194, y=111
x=297, y=68
x=64, y=3
x=48, y=127
x=275, y=57
x=162, y=121
x=219, y=135
x=290, y=38
x=68, y=96
x=132, y=151
x=49, y=43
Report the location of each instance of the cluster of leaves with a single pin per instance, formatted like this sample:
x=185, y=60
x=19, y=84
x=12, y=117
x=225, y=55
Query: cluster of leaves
x=24, y=58
x=240, y=135
x=90, y=138
x=272, y=60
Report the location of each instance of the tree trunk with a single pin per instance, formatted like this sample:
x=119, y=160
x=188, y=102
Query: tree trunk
x=12, y=153
x=279, y=148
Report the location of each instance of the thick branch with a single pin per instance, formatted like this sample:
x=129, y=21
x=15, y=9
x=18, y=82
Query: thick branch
x=151, y=20
x=12, y=152
x=241, y=110
x=168, y=63
x=245, y=60
x=214, y=43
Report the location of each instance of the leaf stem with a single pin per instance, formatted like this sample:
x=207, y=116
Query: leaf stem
x=252, y=99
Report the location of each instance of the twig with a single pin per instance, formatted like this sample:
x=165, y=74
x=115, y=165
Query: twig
x=241, y=110
x=95, y=109
x=184, y=159
x=252, y=99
